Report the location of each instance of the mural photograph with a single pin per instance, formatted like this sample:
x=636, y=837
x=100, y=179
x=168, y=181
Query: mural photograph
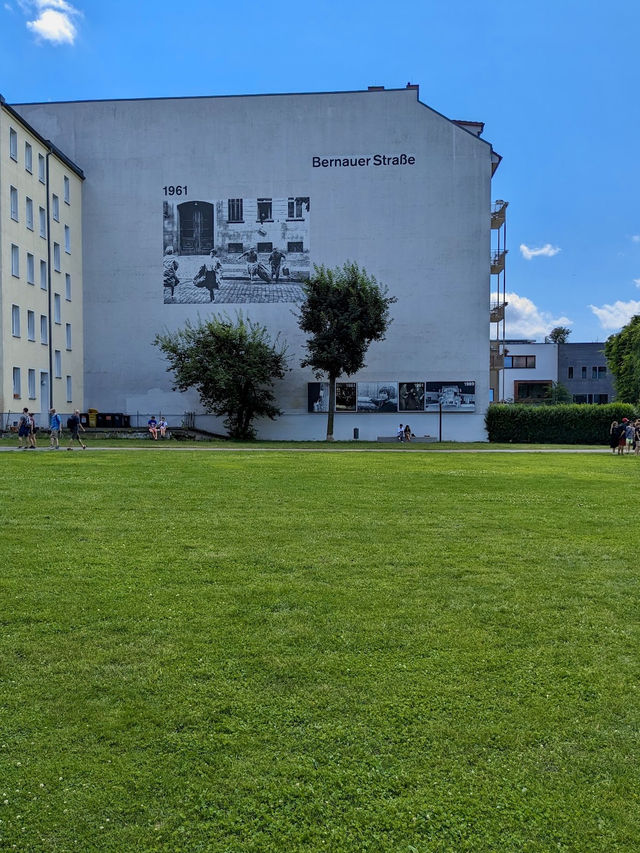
x=377, y=397
x=411, y=397
x=234, y=250
x=318, y=397
x=454, y=396
x=345, y=396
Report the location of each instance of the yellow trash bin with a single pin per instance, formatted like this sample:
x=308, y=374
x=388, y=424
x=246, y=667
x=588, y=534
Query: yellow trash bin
x=93, y=418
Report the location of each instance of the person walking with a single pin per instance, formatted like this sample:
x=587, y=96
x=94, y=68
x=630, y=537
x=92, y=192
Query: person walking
x=23, y=430
x=74, y=425
x=32, y=431
x=55, y=426
x=636, y=444
x=276, y=258
x=614, y=435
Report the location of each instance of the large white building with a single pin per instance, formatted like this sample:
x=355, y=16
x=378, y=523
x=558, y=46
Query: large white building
x=374, y=177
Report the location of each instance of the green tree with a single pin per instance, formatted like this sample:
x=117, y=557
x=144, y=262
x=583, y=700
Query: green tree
x=558, y=335
x=623, y=357
x=344, y=311
x=232, y=365
x=557, y=394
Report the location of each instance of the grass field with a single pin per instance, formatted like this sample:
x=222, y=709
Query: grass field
x=288, y=652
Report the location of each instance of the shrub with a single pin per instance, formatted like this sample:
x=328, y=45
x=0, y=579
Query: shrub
x=573, y=424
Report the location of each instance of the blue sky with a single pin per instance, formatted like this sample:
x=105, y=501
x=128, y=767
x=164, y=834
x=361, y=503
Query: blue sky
x=556, y=83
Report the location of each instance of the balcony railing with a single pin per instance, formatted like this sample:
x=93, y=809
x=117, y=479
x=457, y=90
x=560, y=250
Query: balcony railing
x=498, y=213
x=497, y=262
x=497, y=311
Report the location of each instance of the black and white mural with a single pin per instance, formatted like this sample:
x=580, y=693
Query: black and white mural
x=318, y=397
x=452, y=396
x=411, y=397
x=346, y=396
x=377, y=397
x=234, y=250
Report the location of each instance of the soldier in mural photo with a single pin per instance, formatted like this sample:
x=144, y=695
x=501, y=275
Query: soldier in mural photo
x=210, y=275
x=275, y=260
x=169, y=270
x=252, y=262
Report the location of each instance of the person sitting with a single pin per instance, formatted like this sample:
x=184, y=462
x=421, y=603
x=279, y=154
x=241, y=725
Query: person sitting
x=408, y=435
x=400, y=433
x=152, y=423
x=163, y=426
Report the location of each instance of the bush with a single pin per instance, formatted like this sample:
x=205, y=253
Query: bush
x=573, y=424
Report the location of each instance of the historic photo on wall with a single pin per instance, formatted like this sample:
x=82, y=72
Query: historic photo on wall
x=345, y=396
x=453, y=396
x=234, y=250
x=377, y=397
x=411, y=397
x=317, y=396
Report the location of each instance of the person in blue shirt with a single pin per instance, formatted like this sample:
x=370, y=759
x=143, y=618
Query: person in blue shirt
x=55, y=425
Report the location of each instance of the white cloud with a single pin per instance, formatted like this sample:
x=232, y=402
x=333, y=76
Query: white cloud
x=636, y=281
x=54, y=20
x=636, y=238
x=525, y=320
x=546, y=251
x=617, y=315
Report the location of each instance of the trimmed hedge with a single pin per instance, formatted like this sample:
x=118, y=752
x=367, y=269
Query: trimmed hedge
x=568, y=424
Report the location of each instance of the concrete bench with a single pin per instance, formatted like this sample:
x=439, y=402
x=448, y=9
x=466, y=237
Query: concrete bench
x=417, y=439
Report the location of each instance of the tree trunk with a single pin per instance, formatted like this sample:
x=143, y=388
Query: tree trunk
x=332, y=407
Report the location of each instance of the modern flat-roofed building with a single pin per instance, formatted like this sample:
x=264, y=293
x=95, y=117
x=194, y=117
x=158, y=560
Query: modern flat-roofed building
x=375, y=177
x=41, y=354
x=583, y=369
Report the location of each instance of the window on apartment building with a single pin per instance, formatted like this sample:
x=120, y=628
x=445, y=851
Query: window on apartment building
x=56, y=308
x=57, y=364
x=56, y=257
x=55, y=207
x=234, y=210
x=31, y=269
x=69, y=395
x=520, y=361
x=583, y=372
x=13, y=144
x=28, y=157
x=42, y=218
x=67, y=190
x=68, y=335
x=43, y=275
x=16, y=383
x=67, y=287
x=235, y=248
x=601, y=399
x=598, y=372
x=28, y=210
x=31, y=383
x=532, y=392
x=31, y=325
x=15, y=321
x=44, y=329
x=67, y=239
x=41, y=169
x=295, y=246
x=15, y=261
x=569, y=372
x=265, y=247
x=265, y=210
x=13, y=195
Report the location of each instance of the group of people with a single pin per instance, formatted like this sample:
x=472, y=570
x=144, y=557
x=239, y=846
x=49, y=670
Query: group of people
x=27, y=430
x=156, y=427
x=625, y=435
x=403, y=433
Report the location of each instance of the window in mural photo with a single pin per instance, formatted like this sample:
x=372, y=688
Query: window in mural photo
x=411, y=397
x=377, y=397
x=452, y=396
x=234, y=250
x=346, y=396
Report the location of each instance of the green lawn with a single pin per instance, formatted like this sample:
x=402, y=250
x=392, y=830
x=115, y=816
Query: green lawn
x=288, y=652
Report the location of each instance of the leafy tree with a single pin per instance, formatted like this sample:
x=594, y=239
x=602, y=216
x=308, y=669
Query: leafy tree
x=557, y=394
x=345, y=309
x=623, y=357
x=232, y=365
x=558, y=335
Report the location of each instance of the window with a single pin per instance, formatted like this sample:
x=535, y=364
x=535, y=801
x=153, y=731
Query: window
x=16, y=382
x=44, y=329
x=56, y=257
x=265, y=247
x=43, y=275
x=31, y=269
x=13, y=144
x=31, y=325
x=584, y=372
x=67, y=190
x=57, y=364
x=67, y=287
x=29, y=213
x=42, y=216
x=31, y=381
x=569, y=372
x=55, y=207
x=235, y=210
x=296, y=206
x=13, y=193
x=28, y=157
x=68, y=334
x=15, y=261
x=265, y=210
x=41, y=169
x=234, y=248
x=67, y=239
x=601, y=399
x=520, y=361
x=598, y=372
x=56, y=308
x=69, y=397
x=15, y=321
x=531, y=392
x=294, y=246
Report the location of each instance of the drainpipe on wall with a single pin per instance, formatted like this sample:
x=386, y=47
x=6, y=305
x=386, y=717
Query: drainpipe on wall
x=49, y=294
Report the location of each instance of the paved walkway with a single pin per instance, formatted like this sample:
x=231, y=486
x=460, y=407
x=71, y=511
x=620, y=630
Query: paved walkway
x=167, y=448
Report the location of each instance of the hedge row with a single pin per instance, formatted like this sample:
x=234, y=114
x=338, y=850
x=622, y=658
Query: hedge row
x=567, y=424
